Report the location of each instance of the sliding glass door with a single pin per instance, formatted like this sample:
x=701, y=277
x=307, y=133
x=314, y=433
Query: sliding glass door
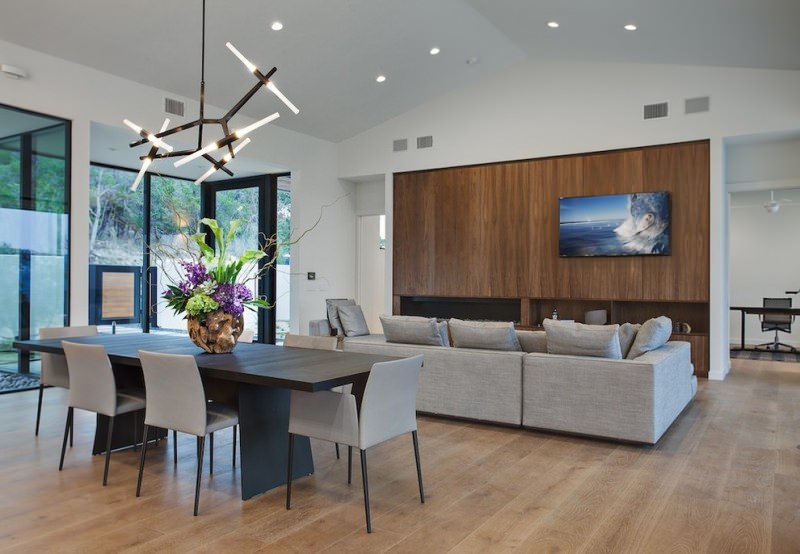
x=34, y=235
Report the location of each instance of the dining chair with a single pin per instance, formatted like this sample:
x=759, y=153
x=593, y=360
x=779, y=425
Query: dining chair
x=176, y=400
x=94, y=388
x=317, y=343
x=247, y=336
x=54, y=371
x=388, y=409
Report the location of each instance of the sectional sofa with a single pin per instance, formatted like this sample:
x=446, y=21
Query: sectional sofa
x=629, y=400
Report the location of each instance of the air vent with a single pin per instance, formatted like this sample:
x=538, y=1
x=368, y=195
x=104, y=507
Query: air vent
x=175, y=107
x=654, y=111
x=425, y=142
x=698, y=105
x=400, y=145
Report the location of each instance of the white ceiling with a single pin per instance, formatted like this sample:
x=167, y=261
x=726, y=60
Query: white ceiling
x=330, y=51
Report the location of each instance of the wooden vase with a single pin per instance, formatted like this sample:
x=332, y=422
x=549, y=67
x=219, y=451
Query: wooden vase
x=218, y=333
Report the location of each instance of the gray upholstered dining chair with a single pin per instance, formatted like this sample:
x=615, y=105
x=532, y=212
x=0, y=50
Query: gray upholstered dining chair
x=93, y=388
x=317, y=343
x=54, y=371
x=176, y=400
x=388, y=409
x=247, y=336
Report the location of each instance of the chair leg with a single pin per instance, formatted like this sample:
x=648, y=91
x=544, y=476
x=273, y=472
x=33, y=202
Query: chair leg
x=66, y=432
x=211, y=456
x=108, y=449
x=174, y=447
x=234, y=446
x=201, y=443
x=135, y=431
x=289, y=472
x=419, y=467
x=39, y=409
x=336, y=443
x=349, y=465
x=71, y=430
x=366, y=489
x=141, y=460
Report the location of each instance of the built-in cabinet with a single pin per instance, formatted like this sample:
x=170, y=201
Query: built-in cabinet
x=489, y=233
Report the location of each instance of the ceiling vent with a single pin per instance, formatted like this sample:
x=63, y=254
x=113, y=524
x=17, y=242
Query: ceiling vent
x=400, y=145
x=655, y=111
x=174, y=107
x=425, y=142
x=698, y=105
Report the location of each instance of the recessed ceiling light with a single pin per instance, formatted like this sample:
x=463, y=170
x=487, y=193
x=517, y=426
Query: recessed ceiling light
x=553, y=24
x=380, y=78
x=630, y=27
x=276, y=26
x=435, y=51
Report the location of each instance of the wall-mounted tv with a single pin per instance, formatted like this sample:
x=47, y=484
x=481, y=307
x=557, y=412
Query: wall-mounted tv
x=635, y=224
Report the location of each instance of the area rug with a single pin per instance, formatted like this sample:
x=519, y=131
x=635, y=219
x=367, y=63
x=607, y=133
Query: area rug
x=13, y=382
x=766, y=356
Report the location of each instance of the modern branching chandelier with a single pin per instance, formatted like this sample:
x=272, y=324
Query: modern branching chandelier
x=159, y=148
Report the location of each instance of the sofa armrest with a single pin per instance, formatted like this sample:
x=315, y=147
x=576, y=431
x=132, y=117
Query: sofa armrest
x=319, y=328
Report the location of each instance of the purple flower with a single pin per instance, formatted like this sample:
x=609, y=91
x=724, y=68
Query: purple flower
x=196, y=274
x=231, y=297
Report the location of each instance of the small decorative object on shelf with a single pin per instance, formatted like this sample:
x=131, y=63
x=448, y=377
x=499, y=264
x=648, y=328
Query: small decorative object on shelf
x=555, y=313
x=213, y=291
x=596, y=317
x=681, y=327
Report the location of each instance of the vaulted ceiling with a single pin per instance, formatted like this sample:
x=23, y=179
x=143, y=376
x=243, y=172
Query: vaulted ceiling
x=330, y=51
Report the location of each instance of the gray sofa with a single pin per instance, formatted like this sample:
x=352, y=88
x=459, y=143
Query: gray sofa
x=631, y=400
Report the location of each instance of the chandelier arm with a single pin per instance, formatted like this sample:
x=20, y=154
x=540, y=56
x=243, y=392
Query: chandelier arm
x=169, y=132
x=227, y=131
x=248, y=95
x=218, y=164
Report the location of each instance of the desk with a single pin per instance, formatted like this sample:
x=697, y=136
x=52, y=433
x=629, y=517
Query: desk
x=759, y=310
x=258, y=377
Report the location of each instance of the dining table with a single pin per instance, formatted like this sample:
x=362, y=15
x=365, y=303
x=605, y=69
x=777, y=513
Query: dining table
x=256, y=378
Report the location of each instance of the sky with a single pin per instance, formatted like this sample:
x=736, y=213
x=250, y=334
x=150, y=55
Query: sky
x=594, y=208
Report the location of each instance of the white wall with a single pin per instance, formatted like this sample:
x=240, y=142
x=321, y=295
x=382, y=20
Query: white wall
x=371, y=271
x=81, y=94
x=764, y=261
x=540, y=108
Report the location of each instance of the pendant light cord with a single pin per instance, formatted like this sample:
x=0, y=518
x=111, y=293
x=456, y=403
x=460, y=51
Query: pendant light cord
x=202, y=79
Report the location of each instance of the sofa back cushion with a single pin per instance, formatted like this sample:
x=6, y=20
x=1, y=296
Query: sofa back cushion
x=653, y=334
x=627, y=334
x=533, y=341
x=405, y=329
x=577, y=339
x=485, y=335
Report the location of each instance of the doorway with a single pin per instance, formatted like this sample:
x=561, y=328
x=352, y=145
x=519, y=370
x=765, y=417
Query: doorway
x=372, y=268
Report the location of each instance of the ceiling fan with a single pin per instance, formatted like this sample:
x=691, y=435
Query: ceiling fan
x=772, y=206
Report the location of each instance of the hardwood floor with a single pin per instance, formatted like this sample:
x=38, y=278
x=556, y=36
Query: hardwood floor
x=725, y=478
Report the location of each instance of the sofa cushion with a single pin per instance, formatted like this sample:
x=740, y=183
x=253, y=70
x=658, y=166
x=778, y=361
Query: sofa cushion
x=353, y=322
x=532, y=341
x=627, y=334
x=653, y=334
x=485, y=335
x=332, y=304
x=406, y=329
x=577, y=339
x=444, y=332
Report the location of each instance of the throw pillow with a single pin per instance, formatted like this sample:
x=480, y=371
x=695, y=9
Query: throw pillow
x=577, y=339
x=486, y=335
x=353, y=322
x=533, y=341
x=405, y=329
x=332, y=304
x=654, y=334
x=627, y=334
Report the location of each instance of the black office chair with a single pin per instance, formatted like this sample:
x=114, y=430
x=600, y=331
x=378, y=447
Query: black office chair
x=777, y=322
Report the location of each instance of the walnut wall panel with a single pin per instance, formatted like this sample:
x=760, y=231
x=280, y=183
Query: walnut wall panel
x=491, y=231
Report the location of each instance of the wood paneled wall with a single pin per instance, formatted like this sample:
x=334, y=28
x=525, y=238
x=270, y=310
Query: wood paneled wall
x=491, y=231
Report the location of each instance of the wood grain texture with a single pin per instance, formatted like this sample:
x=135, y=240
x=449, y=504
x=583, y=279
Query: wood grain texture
x=724, y=478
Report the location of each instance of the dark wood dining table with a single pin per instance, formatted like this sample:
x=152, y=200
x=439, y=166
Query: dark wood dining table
x=257, y=378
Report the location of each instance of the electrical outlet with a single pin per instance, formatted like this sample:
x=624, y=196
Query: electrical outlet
x=312, y=275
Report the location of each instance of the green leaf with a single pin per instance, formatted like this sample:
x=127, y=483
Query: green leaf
x=205, y=249
x=235, y=224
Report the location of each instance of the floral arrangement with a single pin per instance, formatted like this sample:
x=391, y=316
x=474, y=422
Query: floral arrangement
x=214, y=281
